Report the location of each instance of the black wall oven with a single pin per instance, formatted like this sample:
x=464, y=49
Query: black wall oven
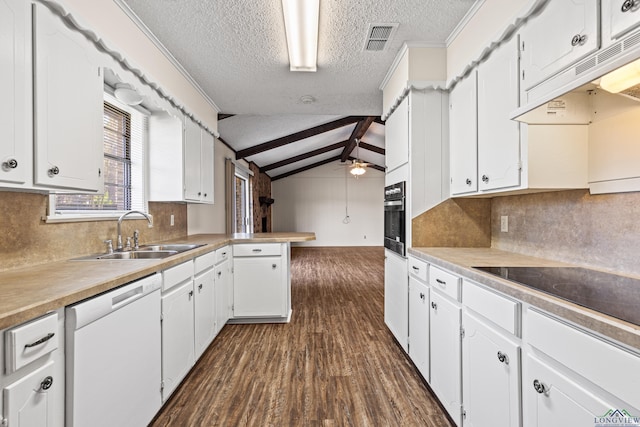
x=394, y=218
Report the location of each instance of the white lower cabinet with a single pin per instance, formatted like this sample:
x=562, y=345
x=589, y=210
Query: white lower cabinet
x=32, y=379
x=223, y=280
x=446, y=366
x=261, y=282
x=491, y=375
x=396, y=297
x=204, y=311
x=178, y=351
x=419, y=301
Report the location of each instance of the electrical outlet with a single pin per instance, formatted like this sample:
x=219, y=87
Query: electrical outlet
x=504, y=223
x=171, y=221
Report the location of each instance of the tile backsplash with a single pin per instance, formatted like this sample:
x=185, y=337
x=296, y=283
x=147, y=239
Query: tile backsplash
x=28, y=240
x=601, y=231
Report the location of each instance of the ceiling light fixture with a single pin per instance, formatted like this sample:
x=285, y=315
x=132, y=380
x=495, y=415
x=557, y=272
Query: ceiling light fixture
x=357, y=170
x=127, y=95
x=301, y=27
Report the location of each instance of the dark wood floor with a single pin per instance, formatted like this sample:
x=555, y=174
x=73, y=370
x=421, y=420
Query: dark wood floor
x=335, y=364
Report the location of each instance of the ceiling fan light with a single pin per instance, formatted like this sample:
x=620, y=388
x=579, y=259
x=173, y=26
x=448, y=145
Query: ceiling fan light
x=301, y=28
x=357, y=171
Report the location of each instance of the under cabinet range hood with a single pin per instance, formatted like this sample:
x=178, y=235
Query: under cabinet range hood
x=565, y=97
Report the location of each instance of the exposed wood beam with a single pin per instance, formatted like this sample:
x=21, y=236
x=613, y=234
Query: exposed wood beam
x=279, y=142
x=372, y=148
x=306, y=168
x=359, y=131
x=304, y=156
x=222, y=116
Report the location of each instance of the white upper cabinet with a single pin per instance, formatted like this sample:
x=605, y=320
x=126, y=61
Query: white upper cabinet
x=15, y=108
x=565, y=32
x=397, y=137
x=499, y=163
x=181, y=160
x=68, y=97
x=463, y=134
x=622, y=16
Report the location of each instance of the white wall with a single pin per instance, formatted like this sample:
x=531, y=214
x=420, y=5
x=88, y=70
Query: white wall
x=315, y=201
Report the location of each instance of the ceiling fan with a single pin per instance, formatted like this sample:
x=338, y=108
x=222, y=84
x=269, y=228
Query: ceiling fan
x=357, y=166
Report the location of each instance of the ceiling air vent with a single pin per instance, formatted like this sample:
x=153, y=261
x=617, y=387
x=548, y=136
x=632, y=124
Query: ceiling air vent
x=378, y=35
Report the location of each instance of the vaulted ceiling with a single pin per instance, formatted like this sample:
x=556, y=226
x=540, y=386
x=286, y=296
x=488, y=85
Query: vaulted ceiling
x=236, y=51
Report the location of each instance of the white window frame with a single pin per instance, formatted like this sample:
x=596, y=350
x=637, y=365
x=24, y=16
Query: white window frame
x=54, y=216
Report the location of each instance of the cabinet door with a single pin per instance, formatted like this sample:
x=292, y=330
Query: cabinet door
x=564, y=32
x=205, y=311
x=419, y=325
x=498, y=137
x=397, y=136
x=27, y=403
x=68, y=96
x=207, y=161
x=396, y=297
x=491, y=380
x=14, y=87
x=446, y=368
x=259, y=287
x=222, y=294
x=192, y=164
x=552, y=399
x=463, y=134
x=177, y=336
x=624, y=16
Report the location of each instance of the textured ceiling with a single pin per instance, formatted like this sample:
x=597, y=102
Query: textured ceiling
x=236, y=51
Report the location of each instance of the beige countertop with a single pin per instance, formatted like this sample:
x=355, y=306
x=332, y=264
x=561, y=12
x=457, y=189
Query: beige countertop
x=29, y=292
x=461, y=261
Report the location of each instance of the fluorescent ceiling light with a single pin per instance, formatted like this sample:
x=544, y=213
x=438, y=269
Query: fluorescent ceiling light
x=301, y=27
x=621, y=79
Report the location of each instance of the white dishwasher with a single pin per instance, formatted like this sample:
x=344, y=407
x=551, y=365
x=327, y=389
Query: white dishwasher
x=113, y=357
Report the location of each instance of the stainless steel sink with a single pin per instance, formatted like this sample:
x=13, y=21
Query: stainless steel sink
x=169, y=247
x=138, y=255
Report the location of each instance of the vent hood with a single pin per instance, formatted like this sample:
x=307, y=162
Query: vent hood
x=566, y=98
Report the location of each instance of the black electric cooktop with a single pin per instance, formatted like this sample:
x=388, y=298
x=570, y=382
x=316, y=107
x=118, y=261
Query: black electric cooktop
x=617, y=296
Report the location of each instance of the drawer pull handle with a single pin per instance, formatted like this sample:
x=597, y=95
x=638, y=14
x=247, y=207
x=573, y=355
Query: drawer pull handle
x=46, y=383
x=257, y=250
x=503, y=358
x=442, y=282
x=224, y=254
x=415, y=268
x=539, y=387
x=40, y=341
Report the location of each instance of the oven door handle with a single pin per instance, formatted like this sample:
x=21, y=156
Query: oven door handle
x=393, y=203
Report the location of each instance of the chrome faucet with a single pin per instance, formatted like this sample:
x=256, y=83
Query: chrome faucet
x=119, y=247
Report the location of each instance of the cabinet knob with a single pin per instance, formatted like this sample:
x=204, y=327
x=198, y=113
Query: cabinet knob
x=434, y=305
x=627, y=5
x=421, y=296
x=10, y=164
x=539, y=387
x=200, y=287
x=53, y=171
x=219, y=273
x=468, y=181
x=485, y=179
x=578, y=39
x=274, y=266
x=503, y=358
x=46, y=383
x=205, y=194
x=199, y=193
x=190, y=294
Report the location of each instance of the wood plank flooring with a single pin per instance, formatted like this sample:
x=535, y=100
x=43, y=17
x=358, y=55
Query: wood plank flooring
x=335, y=364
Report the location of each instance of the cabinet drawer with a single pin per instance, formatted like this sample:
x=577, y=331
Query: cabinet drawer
x=501, y=310
x=418, y=269
x=222, y=254
x=30, y=341
x=604, y=364
x=176, y=275
x=204, y=262
x=259, y=249
x=446, y=282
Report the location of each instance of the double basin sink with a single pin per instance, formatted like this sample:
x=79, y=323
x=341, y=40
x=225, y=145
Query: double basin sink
x=146, y=252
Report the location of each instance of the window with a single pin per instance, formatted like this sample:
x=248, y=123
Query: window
x=124, y=182
x=242, y=209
